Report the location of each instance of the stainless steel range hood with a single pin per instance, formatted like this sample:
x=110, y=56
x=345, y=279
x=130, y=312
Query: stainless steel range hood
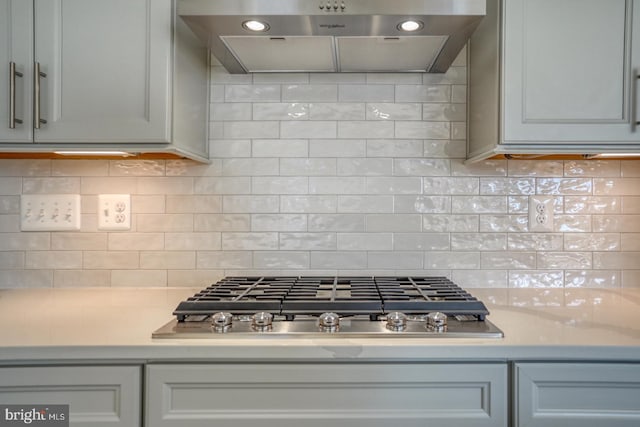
x=333, y=35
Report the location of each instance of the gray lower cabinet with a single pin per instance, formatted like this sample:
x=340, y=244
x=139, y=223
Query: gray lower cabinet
x=98, y=396
x=321, y=394
x=577, y=394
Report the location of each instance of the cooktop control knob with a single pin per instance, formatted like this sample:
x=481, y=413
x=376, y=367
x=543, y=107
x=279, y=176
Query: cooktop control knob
x=437, y=321
x=221, y=322
x=329, y=322
x=262, y=321
x=397, y=321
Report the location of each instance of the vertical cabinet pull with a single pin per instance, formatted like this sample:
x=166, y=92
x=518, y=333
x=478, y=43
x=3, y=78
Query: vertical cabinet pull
x=37, y=120
x=634, y=101
x=12, y=95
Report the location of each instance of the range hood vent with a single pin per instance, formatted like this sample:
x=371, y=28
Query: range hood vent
x=333, y=36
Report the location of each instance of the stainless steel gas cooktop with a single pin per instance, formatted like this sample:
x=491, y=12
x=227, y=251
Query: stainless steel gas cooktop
x=309, y=306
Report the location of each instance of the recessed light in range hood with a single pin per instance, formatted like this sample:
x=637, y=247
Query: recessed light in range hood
x=333, y=36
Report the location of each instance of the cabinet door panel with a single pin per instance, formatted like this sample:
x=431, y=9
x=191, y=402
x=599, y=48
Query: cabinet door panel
x=569, y=70
x=108, y=70
x=98, y=396
x=349, y=395
x=16, y=45
x=577, y=395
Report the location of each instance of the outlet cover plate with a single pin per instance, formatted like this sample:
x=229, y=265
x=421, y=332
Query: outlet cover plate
x=114, y=212
x=50, y=212
x=541, y=213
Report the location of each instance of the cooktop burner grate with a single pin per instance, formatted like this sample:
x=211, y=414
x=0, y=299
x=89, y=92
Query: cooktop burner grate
x=373, y=296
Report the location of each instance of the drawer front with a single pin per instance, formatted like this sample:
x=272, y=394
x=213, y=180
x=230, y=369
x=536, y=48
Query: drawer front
x=97, y=395
x=289, y=395
x=577, y=394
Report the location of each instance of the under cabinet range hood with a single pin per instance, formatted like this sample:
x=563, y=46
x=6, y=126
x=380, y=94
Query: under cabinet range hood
x=252, y=36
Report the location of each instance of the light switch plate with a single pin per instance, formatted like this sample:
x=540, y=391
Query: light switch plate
x=50, y=212
x=114, y=212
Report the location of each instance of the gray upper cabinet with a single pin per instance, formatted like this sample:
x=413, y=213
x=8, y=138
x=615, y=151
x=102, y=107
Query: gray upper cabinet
x=555, y=76
x=116, y=73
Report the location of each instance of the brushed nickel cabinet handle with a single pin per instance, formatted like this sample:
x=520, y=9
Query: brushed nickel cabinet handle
x=12, y=95
x=37, y=120
x=634, y=99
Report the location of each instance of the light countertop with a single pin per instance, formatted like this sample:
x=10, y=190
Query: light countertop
x=100, y=324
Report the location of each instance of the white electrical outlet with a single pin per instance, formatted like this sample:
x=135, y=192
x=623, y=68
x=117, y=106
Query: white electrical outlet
x=49, y=212
x=114, y=212
x=541, y=213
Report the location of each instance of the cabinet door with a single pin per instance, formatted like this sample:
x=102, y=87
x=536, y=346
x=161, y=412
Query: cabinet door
x=107, y=66
x=317, y=395
x=570, y=70
x=16, y=45
x=98, y=396
x=577, y=395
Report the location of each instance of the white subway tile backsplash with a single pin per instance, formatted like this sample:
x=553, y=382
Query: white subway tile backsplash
x=280, y=148
x=365, y=241
x=280, y=111
x=393, y=222
x=365, y=93
x=395, y=148
x=393, y=185
x=365, y=129
x=337, y=185
x=224, y=259
x=337, y=148
x=391, y=111
x=592, y=204
x=308, y=242
x=423, y=93
x=337, y=111
x=507, y=186
x=336, y=222
x=281, y=259
x=421, y=167
x=478, y=242
x=199, y=241
x=57, y=185
x=446, y=185
x=452, y=223
x=536, y=279
x=251, y=93
x=592, y=168
x=616, y=187
x=310, y=93
x=323, y=173
x=222, y=222
x=62, y=260
x=478, y=204
x=562, y=260
x=594, y=241
x=422, y=130
x=250, y=167
x=308, y=204
x=395, y=260
x=278, y=222
x=339, y=260
x=307, y=167
x=365, y=204
x=251, y=129
x=280, y=185
x=421, y=242
x=249, y=241
x=543, y=168
x=567, y=186
x=453, y=260
x=422, y=204
x=24, y=167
